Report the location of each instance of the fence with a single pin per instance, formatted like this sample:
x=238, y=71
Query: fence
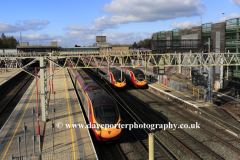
x=65, y=155
x=183, y=87
x=178, y=86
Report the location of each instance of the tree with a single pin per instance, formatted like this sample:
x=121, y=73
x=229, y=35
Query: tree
x=1, y=42
x=8, y=42
x=141, y=44
x=134, y=45
x=147, y=43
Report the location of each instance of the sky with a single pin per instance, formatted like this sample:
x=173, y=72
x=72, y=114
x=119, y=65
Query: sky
x=78, y=22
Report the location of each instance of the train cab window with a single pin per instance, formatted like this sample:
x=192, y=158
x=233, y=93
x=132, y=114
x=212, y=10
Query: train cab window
x=139, y=75
x=117, y=76
x=105, y=111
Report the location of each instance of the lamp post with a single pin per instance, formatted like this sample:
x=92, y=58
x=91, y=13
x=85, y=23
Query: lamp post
x=223, y=16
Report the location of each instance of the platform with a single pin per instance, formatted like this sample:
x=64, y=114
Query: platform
x=5, y=75
x=71, y=143
x=200, y=106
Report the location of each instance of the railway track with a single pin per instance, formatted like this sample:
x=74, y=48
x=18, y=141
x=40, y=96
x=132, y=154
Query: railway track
x=228, y=104
x=181, y=138
x=141, y=135
x=111, y=150
x=11, y=93
x=200, y=149
x=230, y=142
x=197, y=150
x=177, y=135
x=11, y=84
x=230, y=126
x=105, y=150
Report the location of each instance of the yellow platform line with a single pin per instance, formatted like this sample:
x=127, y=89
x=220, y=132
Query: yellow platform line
x=19, y=124
x=69, y=115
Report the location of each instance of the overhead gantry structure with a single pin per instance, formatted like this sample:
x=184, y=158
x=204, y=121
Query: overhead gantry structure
x=140, y=59
x=128, y=59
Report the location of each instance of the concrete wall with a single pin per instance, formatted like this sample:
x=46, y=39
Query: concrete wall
x=100, y=39
x=154, y=36
x=24, y=44
x=8, y=50
x=168, y=35
x=218, y=37
x=54, y=43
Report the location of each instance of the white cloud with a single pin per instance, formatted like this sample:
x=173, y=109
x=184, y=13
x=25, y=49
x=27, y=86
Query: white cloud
x=80, y=37
x=23, y=26
x=77, y=37
x=39, y=37
x=125, y=11
x=148, y=33
x=230, y=16
x=237, y=2
x=186, y=24
x=125, y=37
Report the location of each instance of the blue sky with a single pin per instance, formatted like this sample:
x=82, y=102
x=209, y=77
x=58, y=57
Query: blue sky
x=72, y=22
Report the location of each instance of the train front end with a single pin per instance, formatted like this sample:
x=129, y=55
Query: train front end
x=106, y=118
x=118, y=78
x=138, y=78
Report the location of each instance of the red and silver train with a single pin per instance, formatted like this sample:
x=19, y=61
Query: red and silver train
x=133, y=75
x=112, y=75
x=101, y=110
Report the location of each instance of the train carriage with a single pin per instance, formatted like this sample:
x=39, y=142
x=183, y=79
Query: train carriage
x=101, y=110
x=133, y=76
x=112, y=75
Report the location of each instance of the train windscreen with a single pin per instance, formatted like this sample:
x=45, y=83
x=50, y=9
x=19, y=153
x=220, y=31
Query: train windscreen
x=117, y=76
x=139, y=75
x=106, y=114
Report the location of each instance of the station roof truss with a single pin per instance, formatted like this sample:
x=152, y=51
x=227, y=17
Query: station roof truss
x=137, y=59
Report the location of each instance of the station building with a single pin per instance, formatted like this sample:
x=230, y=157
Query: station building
x=224, y=37
x=101, y=46
x=24, y=47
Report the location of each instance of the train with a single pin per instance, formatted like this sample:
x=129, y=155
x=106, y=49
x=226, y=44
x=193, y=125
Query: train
x=101, y=110
x=113, y=75
x=134, y=76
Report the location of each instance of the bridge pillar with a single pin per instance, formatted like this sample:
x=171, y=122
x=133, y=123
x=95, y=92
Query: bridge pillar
x=180, y=60
x=221, y=73
x=43, y=81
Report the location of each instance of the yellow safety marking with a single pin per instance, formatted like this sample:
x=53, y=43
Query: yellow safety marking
x=8, y=76
x=69, y=115
x=19, y=123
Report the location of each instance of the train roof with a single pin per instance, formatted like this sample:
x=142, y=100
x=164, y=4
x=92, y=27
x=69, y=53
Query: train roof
x=101, y=98
x=115, y=71
x=135, y=70
x=91, y=86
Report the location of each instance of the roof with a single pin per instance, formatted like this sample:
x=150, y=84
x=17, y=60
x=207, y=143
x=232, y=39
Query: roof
x=99, y=98
x=37, y=47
